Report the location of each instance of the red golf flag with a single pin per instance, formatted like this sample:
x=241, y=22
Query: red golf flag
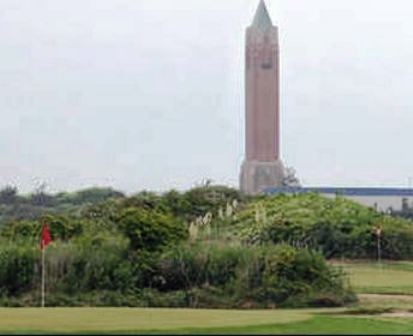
x=45, y=239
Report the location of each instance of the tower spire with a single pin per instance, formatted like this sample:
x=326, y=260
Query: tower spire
x=262, y=19
x=262, y=167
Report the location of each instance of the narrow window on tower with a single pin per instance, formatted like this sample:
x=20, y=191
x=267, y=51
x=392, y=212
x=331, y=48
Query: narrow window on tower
x=267, y=54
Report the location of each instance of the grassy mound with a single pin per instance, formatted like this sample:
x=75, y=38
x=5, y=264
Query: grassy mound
x=336, y=227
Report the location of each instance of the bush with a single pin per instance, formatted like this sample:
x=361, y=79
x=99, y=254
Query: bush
x=151, y=230
x=19, y=268
x=189, y=266
x=89, y=264
x=268, y=275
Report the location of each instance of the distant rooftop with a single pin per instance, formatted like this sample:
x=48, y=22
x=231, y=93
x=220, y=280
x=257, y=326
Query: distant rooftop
x=343, y=191
x=262, y=19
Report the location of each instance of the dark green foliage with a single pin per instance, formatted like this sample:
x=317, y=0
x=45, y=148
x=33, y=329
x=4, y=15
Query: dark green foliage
x=8, y=195
x=146, y=200
x=206, y=199
x=18, y=268
x=151, y=230
x=178, y=203
x=42, y=199
x=260, y=276
x=189, y=205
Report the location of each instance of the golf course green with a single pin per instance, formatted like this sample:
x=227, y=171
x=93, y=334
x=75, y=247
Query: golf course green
x=384, y=308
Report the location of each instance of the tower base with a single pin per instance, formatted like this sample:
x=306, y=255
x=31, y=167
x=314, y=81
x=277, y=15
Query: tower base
x=257, y=176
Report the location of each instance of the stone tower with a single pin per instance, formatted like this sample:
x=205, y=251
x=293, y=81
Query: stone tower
x=262, y=167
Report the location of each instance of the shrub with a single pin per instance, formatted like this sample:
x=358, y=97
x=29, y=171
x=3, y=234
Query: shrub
x=150, y=230
x=267, y=275
x=19, y=265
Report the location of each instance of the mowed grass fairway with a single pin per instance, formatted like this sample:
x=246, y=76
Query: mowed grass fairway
x=386, y=278
x=165, y=321
x=135, y=319
x=387, y=286
x=175, y=321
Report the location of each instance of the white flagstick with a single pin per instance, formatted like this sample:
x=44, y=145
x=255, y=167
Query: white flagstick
x=43, y=274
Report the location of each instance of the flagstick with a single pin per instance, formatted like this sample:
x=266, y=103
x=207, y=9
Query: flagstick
x=43, y=275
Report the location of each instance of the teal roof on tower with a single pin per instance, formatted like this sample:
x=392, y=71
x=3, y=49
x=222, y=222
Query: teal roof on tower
x=262, y=19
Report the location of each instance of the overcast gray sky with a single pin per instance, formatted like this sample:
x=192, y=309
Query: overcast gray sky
x=148, y=94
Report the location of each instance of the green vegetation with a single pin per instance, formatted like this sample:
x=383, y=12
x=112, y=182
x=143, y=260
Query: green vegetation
x=30, y=207
x=209, y=247
x=337, y=227
x=151, y=250
x=110, y=273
